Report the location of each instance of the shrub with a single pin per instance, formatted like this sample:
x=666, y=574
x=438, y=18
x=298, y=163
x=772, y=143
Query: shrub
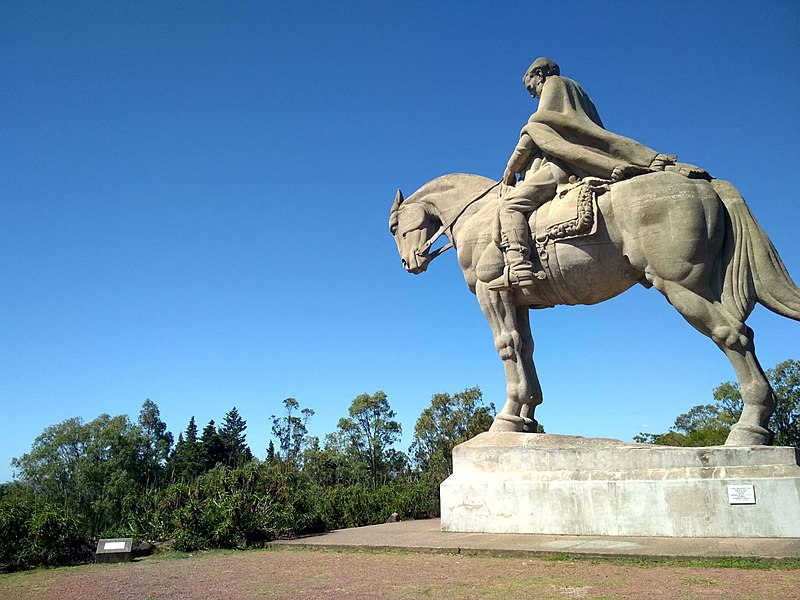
x=36, y=533
x=238, y=507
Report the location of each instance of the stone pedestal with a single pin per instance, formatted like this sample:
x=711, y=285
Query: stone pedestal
x=556, y=484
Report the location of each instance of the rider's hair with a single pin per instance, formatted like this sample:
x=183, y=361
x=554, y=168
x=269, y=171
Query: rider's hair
x=546, y=65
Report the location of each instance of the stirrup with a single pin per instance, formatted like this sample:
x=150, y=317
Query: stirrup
x=511, y=279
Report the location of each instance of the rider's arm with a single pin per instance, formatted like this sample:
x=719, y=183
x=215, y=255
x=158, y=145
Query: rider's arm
x=520, y=159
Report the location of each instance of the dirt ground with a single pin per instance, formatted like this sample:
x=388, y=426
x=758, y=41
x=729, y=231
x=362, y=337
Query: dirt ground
x=314, y=574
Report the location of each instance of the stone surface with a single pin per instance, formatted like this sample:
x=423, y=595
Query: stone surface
x=553, y=484
x=114, y=550
x=427, y=536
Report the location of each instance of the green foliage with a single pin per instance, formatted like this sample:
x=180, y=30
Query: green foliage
x=330, y=466
x=38, y=533
x=448, y=421
x=111, y=477
x=92, y=469
x=187, y=460
x=291, y=431
x=785, y=422
x=358, y=505
x=212, y=448
x=709, y=424
x=233, y=439
x=238, y=507
x=160, y=440
x=368, y=433
x=704, y=425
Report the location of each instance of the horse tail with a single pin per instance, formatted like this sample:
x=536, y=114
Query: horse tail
x=754, y=272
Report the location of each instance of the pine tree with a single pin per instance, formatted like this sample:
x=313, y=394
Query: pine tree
x=212, y=449
x=233, y=439
x=270, y=452
x=186, y=461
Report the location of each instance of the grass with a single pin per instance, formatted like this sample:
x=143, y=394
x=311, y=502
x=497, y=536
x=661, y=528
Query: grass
x=692, y=580
x=554, y=576
x=764, y=564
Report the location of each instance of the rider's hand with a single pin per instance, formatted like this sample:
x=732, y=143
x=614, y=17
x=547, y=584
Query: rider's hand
x=509, y=177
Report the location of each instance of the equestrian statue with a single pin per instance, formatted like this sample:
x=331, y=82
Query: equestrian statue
x=582, y=214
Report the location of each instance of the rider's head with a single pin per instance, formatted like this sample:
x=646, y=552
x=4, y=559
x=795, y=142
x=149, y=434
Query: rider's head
x=537, y=73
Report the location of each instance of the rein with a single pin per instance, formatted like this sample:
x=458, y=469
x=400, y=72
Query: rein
x=426, y=246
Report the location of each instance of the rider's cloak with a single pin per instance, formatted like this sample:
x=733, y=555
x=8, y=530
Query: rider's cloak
x=567, y=126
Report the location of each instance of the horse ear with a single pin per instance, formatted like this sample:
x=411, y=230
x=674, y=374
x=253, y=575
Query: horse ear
x=398, y=200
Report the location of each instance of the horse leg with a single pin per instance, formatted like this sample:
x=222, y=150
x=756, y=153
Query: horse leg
x=533, y=393
x=513, y=341
x=735, y=339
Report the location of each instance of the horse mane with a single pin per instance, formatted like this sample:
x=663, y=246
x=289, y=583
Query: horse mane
x=465, y=185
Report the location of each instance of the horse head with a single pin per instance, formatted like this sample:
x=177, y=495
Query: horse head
x=411, y=227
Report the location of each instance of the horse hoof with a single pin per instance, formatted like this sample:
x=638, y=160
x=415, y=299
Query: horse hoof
x=507, y=423
x=748, y=435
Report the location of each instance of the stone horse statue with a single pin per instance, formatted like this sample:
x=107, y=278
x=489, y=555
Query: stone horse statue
x=694, y=240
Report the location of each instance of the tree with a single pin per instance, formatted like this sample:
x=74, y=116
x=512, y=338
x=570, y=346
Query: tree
x=330, y=466
x=448, y=421
x=186, y=461
x=95, y=470
x=160, y=440
x=785, y=422
x=704, y=425
x=291, y=431
x=51, y=467
x=369, y=432
x=233, y=439
x=709, y=424
x=212, y=448
x=270, y=452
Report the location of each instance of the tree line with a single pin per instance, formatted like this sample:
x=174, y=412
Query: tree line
x=112, y=477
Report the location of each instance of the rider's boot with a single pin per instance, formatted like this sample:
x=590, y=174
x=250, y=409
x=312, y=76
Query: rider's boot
x=518, y=271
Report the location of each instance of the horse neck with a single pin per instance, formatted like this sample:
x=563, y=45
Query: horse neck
x=447, y=200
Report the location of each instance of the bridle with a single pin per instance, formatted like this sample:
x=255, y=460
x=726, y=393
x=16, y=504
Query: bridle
x=426, y=246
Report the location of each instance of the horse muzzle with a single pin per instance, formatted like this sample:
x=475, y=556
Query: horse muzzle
x=416, y=264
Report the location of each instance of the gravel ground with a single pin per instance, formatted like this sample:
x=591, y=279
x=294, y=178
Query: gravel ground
x=311, y=574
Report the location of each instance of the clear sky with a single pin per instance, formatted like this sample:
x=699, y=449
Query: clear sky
x=194, y=200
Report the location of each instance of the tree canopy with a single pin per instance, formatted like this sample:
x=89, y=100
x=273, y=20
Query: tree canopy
x=448, y=421
x=368, y=432
x=709, y=424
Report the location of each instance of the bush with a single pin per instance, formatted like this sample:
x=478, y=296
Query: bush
x=238, y=508
x=36, y=533
x=359, y=505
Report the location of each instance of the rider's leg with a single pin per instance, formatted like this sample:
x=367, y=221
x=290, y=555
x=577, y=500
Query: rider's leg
x=537, y=188
x=515, y=245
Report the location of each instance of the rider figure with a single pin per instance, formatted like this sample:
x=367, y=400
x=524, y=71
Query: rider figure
x=563, y=139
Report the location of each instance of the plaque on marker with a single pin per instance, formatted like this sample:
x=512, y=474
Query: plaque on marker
x=114, y=546
x=742, y=494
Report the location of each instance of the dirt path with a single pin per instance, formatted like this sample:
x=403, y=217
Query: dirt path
x=311, y=574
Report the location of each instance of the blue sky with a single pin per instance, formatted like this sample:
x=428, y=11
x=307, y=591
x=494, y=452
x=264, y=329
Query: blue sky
x=194, y=199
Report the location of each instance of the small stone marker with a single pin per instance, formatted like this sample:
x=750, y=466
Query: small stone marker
x=742, y=494
x=114, y=550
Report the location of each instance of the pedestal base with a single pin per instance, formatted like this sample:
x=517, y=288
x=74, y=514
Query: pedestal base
x=556, y=484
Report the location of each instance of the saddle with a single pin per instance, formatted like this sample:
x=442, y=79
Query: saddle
x=573, y=212
x=570, y=215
